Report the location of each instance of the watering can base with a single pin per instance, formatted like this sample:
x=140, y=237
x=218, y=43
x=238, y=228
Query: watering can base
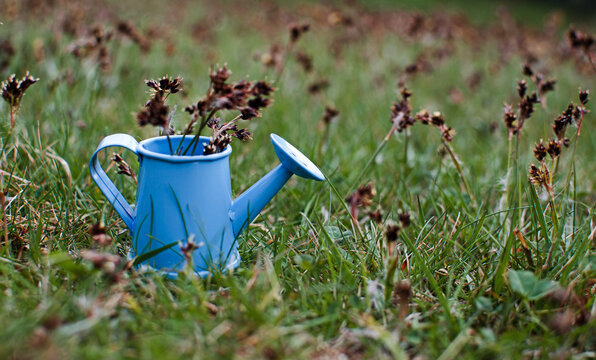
x=233, y=263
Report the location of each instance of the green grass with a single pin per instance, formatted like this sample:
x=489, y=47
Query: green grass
x=310, y=284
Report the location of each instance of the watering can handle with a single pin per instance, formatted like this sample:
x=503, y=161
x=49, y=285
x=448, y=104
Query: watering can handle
x=103, y=181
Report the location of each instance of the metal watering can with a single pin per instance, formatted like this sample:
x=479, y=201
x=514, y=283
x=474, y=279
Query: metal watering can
x=179, y=197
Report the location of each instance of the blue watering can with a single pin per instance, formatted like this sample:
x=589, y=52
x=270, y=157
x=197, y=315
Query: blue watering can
x=183, y=197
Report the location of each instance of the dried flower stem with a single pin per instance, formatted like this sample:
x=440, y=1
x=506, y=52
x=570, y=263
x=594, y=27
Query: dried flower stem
x=554, y=237
x=379, y=148
x=590, y=56
x=195, y=141
x=13, y=117
x=459, y=170
x=507, y=179
x=4, y=218
x=287, y=53
x=369, y=162
x=167, y=130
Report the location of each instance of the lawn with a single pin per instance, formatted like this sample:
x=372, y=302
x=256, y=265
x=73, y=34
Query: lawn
x=443, y=228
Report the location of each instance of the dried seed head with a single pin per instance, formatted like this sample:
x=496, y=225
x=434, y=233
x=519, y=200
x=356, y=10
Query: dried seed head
x=401, y=112
x=363, y=196
x=304, y=60
x=510, y=119
x=404, y=219
x=562, y=121
x=583, y=96
x=109, y=264
x=540, y=177
x=188, y=247
x=423, y=116
x=540, y=151
x=547, y=86
x=262, y=88
x=242, y=135
x=392, y=233
x=330, y=114
x=522, y=87
x=403, y=290
x=14, y=89
x=297, y=30
x=217, y=144
x=219, y=78
x=526, y=108
x=259, y=102
x=527, y=70
x=123, y=167
x=99, y=236
x=437, y=119
x=248, y=113
x=405, y=93
x=578, y=39
x=165, y=85
x=376, y=215
x=447, y=133
x=553, y=149
x=127, y=28
x=155, y=113
x=317, y=86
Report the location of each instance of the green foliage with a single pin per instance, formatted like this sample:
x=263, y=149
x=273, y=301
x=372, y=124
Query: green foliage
x=528, y=286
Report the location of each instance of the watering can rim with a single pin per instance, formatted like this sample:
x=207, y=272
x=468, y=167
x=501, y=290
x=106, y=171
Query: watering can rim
x=142, y=150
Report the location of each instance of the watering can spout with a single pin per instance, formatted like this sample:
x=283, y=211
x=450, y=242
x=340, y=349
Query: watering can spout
x=250, y=203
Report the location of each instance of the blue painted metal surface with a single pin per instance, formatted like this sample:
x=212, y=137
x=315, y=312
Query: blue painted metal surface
x=179, y=197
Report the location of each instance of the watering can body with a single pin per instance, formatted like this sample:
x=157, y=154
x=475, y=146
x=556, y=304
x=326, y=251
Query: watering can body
x=189, y=197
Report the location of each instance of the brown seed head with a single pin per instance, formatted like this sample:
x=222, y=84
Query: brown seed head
x=403, y=290
x=363, y=196
x=553, y=149
x=317, y=86
x=219, y=78
x=578, y=39
x=447, y=133
x=376, y=216
x=259, y=102
x=547, y=86
x=540, y=177
x=123, y=167
x=297, y=30
x=404, y=219
x=248, y=113
x=583, y=96
x=304, y=60
x=262, y=88
x=14, y=89
x=99, y=235
x=540, y=151
x=242, y=135
x=165, y=85
x=330, y=114
x=510, y=119
x=437, y=119
x=423, y=116
x=527, y=70
x=526, y=107
x=392, y=233
x=522, y=87
x=188, y=248
x=155, y=113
